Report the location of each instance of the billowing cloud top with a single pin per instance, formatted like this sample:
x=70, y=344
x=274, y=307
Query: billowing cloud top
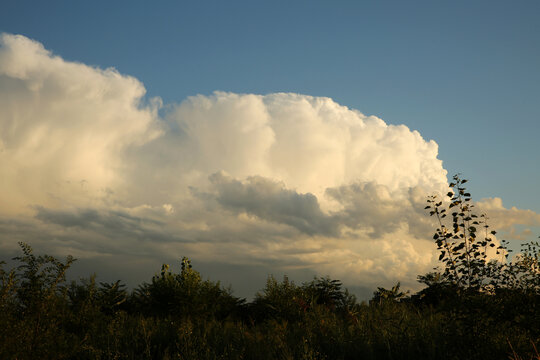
x=62, y=123
x=283, y=180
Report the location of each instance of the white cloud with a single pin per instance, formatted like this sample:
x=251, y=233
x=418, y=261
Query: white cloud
x=508, y=220
x=308, y=143
x=503, y=217
x=64, y=126
x=283, y=181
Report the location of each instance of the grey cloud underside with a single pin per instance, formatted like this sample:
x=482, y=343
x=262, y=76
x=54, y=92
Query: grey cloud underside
x=372, y=206
x=271, y=201
x=364, y=205
x=111, y=224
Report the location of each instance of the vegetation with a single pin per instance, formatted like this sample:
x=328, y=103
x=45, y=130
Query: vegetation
x=476, y=305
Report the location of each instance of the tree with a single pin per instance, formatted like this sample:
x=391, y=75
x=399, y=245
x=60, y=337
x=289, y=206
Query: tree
x=462, y=252
x=383, y=295
x=185, y=294
x=464, y=248
x=38, y=277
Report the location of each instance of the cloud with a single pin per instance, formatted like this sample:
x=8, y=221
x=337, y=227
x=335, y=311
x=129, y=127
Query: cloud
x=504, y=217
x=373, y=206
x=309, y=143
x=281, y=181
x=508, y=220
x=64, y=126
x=270, y=200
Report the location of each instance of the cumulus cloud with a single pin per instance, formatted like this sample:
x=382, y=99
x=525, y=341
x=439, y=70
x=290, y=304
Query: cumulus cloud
x=505, y=217
x=280, y=181
x=64, y=126
x=270, y=201
x=509, y=219
x=309, y=143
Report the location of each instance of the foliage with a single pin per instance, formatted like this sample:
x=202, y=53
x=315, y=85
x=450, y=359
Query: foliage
x=462, y=253
x=8, y=286
x=464, y=248
x=184, y=295
x=38, y=277
x=385, y=295
x=280, y=300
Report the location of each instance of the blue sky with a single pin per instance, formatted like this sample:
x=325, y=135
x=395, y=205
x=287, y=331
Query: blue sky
x=464, y=73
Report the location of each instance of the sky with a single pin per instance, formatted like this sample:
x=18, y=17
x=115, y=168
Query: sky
x=259, y=138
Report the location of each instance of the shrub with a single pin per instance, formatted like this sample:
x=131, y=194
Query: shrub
x=184, y=295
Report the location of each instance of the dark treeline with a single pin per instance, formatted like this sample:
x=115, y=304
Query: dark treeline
x=471, y=308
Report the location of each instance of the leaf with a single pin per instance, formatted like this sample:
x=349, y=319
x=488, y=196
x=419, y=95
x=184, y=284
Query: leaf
x=442, y=255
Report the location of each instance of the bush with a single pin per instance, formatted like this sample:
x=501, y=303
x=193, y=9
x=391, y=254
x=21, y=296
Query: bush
x=184, y=295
